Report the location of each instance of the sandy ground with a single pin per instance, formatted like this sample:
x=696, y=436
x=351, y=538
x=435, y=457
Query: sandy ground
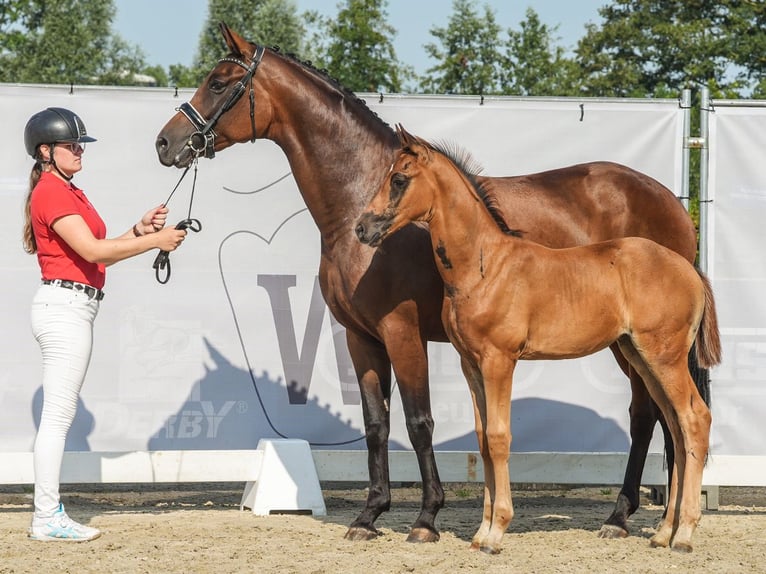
x=193, y=528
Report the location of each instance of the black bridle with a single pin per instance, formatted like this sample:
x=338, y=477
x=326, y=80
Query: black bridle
x=202, y=141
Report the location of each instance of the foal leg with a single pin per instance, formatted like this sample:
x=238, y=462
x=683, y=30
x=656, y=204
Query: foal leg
x=476, y=386
x=693, y=421
x=688, y=418
x=497, y=371
x=643, y=417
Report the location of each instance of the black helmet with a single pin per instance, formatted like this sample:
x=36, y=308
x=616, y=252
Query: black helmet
x=54, y=125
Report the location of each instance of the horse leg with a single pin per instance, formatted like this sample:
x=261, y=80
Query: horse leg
x=688, y=420
x=643, y=417
x=373, y=371
x=476, y=386
x=410, y=361
x=497, y=372
x=693, y=431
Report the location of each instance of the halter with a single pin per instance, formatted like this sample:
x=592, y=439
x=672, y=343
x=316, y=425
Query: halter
x=202, y=141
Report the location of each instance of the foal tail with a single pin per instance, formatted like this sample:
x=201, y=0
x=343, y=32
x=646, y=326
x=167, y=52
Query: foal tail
x=708, y=341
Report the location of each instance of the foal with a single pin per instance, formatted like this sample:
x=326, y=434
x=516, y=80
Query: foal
x=510, y=299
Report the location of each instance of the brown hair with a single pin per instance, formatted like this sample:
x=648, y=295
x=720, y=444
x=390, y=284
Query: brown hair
x=28, y=236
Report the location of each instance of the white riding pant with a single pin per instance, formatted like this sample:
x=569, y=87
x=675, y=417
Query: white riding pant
x=62, y=323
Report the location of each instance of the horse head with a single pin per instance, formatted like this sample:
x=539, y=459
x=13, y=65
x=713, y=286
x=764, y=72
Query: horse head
x=399, y=201
x=217, y=116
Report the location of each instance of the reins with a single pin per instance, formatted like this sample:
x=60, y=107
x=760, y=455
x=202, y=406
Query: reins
x=162, y=261
x=202, y=142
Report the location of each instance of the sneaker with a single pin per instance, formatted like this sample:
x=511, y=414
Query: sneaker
x=61, y=527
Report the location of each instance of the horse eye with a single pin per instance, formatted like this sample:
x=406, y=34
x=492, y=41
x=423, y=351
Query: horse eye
x=217, y=86
x=399, y=183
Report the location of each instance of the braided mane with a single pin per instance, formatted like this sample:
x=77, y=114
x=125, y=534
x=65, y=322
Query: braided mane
x=324, y=75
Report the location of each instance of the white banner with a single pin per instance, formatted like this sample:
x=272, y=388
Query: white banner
x=205, y=362
x=737, y=266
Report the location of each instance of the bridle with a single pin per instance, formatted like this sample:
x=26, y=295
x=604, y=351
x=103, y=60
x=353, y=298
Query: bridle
x=202, y=141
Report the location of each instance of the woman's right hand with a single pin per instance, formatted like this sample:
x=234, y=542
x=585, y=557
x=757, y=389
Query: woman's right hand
x=169, y=238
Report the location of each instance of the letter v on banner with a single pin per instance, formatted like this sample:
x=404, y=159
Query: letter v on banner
x=298, y=368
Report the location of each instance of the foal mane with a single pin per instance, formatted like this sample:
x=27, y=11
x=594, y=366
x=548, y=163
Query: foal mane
x=470, y=167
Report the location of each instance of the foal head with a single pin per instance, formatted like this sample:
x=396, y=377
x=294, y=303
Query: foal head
x=419, y=172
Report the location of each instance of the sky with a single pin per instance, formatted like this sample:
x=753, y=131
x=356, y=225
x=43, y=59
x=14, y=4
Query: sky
x=168, y=30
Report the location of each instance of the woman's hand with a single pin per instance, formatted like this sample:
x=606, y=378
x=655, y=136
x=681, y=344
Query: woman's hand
x=152, y=221
x=169, y=239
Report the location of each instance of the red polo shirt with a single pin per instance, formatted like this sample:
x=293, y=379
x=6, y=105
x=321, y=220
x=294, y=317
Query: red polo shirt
x=53, y=198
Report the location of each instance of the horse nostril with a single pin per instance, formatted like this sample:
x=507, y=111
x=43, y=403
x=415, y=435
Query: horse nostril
x=161, y=143
x=359, y=231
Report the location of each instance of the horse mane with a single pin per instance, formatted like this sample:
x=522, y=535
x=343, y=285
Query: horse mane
x=470, y=167
x=323, y=75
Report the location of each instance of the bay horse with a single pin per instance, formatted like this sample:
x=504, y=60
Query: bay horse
x=509, y=299
x=391, y=305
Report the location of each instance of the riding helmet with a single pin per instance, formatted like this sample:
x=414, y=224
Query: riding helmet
x=54, y=125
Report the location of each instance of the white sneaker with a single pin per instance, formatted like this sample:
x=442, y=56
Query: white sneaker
x=61, y=527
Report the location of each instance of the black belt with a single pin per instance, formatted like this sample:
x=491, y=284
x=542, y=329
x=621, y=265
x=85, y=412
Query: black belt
x=91, y=292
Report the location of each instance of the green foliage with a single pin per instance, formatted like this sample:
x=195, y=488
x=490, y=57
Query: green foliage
x=534, y=65
x=62, y=42
x=269, y=22
x=469, y=61
x=647, y=46
x=356, y=47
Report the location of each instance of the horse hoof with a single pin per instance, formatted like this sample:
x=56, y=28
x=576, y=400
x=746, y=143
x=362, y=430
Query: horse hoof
x=684, y=547
x=357, y=533
x=612, y=531
x=658, y=542
x=420, y=535
x=490, y=550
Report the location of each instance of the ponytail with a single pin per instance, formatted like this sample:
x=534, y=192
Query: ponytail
x=28, y=237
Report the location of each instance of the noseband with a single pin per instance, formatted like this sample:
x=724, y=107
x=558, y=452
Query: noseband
x=202, y=141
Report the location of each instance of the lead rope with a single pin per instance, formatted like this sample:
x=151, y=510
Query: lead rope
x=162, y=261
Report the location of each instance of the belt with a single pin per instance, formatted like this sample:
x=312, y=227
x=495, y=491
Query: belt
x=91, y=292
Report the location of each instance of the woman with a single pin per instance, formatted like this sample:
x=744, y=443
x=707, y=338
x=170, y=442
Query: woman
x=68, y=236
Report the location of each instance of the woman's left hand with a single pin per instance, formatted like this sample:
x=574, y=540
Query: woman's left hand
x=153, y=220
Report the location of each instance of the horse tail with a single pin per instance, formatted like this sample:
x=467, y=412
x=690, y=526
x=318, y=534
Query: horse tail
x=700, y=375
x=708, y=341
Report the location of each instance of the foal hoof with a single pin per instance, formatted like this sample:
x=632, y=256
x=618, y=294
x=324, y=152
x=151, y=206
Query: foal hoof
x=612, y=531
x=684, y=547
x=483, y=548
x=421, y=535
x=356, y=533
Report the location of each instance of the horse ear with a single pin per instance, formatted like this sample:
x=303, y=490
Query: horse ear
x=234, y=41
x=404, y=137
x=413, y=144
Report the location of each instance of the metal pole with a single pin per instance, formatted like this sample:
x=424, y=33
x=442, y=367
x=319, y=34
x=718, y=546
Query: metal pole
x=686, y=104
x=704, y=159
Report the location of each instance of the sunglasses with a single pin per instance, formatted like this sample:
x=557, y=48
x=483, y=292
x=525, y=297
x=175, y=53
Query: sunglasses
x=73, y=147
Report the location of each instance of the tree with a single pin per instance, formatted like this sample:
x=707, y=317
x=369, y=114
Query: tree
x=359, y=52
x=653, y=47
x=66, y=41
x=269, y=22
x=469, y=61
x=534, y=65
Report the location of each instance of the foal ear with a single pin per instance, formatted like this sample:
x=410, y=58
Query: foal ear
x=413, y=144
x=405, y=138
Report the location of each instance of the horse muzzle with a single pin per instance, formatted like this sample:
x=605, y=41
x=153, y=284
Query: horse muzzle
x=371, y=229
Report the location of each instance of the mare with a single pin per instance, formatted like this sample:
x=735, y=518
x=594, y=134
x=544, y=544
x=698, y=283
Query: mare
x=390, y=303
x=509, y=298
